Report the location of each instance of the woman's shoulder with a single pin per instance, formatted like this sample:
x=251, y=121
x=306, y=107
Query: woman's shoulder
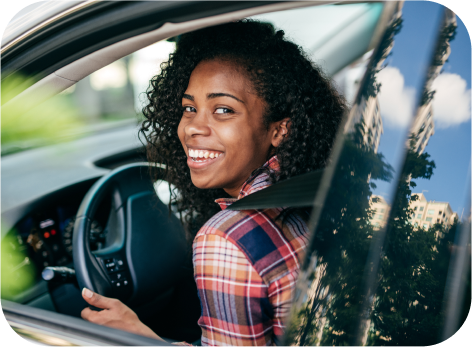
x=273, y=248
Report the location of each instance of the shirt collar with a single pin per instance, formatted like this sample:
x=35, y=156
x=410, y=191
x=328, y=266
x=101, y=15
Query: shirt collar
x=258, y=180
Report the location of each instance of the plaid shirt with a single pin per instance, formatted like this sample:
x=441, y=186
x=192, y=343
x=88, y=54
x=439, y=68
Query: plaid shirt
x=245, y=266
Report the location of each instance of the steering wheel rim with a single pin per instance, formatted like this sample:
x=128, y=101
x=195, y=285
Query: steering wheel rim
x=129, y=267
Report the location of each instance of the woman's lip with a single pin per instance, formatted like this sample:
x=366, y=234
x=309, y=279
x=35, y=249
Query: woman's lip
x=200, y=165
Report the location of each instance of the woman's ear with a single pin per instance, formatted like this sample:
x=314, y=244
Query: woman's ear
x=280, y=132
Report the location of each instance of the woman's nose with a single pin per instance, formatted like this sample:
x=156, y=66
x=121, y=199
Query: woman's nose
x=198, y=125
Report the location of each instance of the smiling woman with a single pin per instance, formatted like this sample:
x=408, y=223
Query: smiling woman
x=280, y=89
x=236, y=108
x=223, y=118
x=240, y=124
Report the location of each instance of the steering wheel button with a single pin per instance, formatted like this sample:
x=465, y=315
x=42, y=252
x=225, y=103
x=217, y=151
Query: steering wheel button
x=118, y=284
x=119, y=262
x=117, y=276
x=125, y=283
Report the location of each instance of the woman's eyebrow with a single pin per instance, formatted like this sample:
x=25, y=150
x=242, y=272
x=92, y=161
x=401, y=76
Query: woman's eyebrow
x=190, y=97
x=217, y=95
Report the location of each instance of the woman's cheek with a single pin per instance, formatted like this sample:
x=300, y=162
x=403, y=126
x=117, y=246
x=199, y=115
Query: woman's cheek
x=232, y=136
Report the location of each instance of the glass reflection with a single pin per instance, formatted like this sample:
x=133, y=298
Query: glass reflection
x=377, y=265
x=409, y=303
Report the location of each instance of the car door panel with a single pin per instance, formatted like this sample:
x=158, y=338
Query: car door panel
x=57, y=329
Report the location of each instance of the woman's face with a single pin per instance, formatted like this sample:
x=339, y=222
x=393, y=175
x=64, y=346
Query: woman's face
x=221, y=129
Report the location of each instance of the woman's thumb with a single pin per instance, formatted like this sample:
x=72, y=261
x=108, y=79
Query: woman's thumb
x=87, y=294
x=95, y=299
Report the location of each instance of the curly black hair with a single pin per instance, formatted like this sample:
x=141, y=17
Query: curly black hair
x=282, y=75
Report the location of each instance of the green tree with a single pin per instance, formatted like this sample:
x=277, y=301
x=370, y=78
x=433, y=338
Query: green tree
x=341, y=245
x=408, y=302
x=371, y=87
x=448, y=33
x=50, y=121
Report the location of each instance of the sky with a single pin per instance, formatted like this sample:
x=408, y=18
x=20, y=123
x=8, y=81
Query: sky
x=450, y=146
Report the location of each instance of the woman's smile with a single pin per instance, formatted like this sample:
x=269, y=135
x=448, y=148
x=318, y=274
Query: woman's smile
x=202, y=158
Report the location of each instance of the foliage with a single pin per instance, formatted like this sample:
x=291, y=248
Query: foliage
x=448, y=33
x=406, y=307
x=24, y=126
x=17, y=271
x=342, y=244
x=408, y=302
x=371, y=87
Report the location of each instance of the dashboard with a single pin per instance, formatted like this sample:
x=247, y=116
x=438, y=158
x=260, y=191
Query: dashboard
x=41, y=192
x=44, y=238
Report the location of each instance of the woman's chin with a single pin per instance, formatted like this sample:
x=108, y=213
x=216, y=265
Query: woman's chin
x=204, y=183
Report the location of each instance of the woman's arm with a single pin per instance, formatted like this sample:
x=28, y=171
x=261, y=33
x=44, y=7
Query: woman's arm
x=115, y=314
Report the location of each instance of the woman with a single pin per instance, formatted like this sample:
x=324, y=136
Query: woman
x=236, y=108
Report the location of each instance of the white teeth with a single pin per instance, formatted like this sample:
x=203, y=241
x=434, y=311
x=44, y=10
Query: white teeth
x=193, y=153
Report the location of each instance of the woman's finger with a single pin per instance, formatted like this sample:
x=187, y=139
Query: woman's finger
x=89, y=315
x=97, y=300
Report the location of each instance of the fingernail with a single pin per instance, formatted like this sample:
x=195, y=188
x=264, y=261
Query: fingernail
x=87, y=293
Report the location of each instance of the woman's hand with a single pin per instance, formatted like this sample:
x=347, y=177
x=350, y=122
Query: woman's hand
x=115, y=314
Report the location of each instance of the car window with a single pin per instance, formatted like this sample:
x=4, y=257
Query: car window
x=114, y=95
x=378, y=279
x=117, y=91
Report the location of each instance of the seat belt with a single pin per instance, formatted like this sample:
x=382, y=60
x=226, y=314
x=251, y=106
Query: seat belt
x=298, y=191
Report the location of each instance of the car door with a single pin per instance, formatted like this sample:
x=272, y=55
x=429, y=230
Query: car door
x=389, y=259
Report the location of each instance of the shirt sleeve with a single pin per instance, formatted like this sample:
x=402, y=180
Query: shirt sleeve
x=280, y=297
x=238, y=308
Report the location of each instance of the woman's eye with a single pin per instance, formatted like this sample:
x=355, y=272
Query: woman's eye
x=223, y=110
x=189, y=109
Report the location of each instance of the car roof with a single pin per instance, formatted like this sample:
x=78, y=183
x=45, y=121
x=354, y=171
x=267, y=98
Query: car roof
x=36, y=14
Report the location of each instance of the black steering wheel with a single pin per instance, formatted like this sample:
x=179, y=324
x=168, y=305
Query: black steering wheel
x=145, y=247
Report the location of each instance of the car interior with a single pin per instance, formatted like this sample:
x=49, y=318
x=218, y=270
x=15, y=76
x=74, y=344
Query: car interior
x=42, y=220
x=85, y=212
